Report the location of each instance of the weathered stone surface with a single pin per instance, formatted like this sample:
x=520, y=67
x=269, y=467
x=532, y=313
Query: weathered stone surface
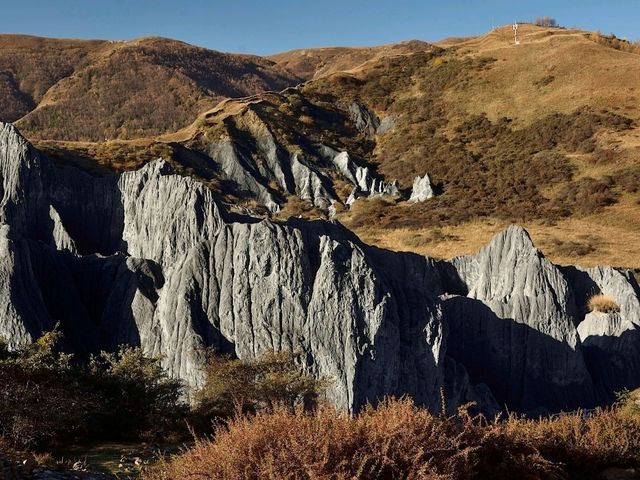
x=150, y=258
x=386, y=124
x=365, y=120
x=518, y=317
x=366, y=184
x=421, y=190
x=257, y=163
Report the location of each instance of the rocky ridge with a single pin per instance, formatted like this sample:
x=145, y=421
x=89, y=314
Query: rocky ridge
x=269, y=157
x=152, y=258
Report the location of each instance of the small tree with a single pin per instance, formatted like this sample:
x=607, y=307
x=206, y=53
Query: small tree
x=45, y=398
x=138, y=393
x=546, y=22
x=42, y=398
x=252, y=385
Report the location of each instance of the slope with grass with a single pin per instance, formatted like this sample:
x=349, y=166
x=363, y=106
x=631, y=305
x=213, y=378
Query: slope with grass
x=313, y=63
x=502, y=139
x=97, y=90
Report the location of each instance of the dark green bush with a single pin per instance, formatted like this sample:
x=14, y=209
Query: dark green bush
x=274, y=379
x=46, y=398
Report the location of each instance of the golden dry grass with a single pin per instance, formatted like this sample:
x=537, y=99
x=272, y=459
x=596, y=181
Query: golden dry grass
x=613, y=234
x=313, y=63
x=580, y=71
x=602, y=303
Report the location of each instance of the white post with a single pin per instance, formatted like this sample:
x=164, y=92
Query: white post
x=515, y=34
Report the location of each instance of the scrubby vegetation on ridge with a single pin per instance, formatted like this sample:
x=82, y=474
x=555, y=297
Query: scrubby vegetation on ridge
x=101, y=90
x=614, y=42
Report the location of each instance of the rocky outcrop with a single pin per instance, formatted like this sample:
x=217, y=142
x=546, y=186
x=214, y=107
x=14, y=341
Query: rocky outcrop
x=151, y=258
x=421, y=190
x=366, y=183
x=364, y=119
x=518, y=315
x=263, y=165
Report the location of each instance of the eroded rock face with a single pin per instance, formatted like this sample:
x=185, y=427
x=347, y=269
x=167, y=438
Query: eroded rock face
x=421, y=190
x=256, y=163
x=150, y=258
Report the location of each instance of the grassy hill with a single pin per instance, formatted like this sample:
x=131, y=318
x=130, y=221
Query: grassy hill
x=313, y=63
x=98, y=90
x=545, y=134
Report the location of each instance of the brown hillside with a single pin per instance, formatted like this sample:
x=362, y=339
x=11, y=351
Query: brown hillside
x=97, y=90
x=484, y=120
x=313, y=63
x=29, y=66
x=544, y=134
x=553, y=70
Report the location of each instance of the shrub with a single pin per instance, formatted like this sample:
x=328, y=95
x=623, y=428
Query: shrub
x=399, y=440
x=546, y=22
x=602, y=303
x=47, y=399
x=41, y=398
x=138, y=395
x=253, y=385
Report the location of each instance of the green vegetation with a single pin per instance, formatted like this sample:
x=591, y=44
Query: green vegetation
x=46, y=399
x=273, y=380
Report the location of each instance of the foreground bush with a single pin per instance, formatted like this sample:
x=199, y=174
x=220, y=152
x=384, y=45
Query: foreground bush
x=400, y=440
x=46, y=399
x=274, y=379
x=40, y=397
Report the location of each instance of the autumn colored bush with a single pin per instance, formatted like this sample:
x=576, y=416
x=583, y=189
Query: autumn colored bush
x=399, y=440
x=602, y=303
x=272, y=380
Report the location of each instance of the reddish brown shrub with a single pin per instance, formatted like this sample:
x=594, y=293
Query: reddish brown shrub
x=400, y=440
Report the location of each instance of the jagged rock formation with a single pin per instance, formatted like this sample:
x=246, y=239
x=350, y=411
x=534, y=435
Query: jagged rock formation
x=364, y=119
x=422, y=189
x=366, y=184
x=259, y=163
x=151, y=258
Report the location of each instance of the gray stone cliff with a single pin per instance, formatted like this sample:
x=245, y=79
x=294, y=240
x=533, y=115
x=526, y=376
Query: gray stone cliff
x=151, y=258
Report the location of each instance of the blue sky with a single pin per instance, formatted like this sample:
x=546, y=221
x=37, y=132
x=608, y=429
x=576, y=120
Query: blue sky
x=270, y=26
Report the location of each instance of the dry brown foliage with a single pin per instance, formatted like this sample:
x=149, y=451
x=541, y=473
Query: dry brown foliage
x=399, y=440
x=98, y=90
x=602, y=303
x=615, y=42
